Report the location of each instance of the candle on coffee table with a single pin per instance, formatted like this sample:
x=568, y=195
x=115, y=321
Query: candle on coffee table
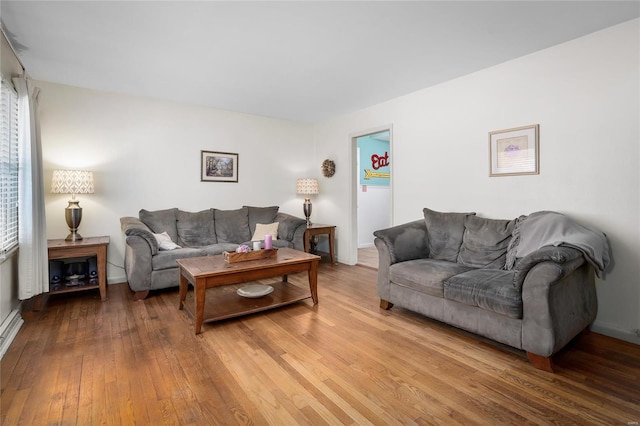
x=268, y=244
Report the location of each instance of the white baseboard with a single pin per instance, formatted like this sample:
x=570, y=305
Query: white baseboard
x=608, y=330
x=8, y=330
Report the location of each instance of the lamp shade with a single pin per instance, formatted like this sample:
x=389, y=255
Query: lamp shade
x=72, y=182
x=307, y=186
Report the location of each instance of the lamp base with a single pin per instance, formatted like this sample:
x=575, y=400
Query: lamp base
x=73, y=237
x=306, y=207
x=73, y=215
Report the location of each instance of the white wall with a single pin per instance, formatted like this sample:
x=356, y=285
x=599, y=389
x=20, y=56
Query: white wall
x=146, y=154
x=584, y=94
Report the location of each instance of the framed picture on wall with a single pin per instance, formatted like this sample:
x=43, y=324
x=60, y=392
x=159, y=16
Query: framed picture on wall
x=514, y=151
x=218, y=166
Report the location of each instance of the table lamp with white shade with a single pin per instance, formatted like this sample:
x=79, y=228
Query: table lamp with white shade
x=307, y=187
x=72, y=182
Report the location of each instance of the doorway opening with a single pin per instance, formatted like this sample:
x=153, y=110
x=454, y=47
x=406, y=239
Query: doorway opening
x=372, y=191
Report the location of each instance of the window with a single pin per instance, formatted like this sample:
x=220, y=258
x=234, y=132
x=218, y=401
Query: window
x=8, y=168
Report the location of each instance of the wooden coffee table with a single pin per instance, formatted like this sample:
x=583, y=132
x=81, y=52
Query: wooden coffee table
x=213, y=271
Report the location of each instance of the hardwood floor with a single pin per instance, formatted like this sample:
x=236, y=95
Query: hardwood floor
x=368, y=257
x=343, y=361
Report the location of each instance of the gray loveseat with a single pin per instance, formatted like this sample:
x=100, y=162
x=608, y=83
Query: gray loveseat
x=209, y=232
x=527, y=282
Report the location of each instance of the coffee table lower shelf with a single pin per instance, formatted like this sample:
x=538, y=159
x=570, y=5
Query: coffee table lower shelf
x=223, y=302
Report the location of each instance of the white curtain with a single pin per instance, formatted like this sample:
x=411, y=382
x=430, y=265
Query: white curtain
x=33, y=265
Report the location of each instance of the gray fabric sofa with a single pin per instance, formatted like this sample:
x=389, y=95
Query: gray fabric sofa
x=487, y=277
x=209, y=232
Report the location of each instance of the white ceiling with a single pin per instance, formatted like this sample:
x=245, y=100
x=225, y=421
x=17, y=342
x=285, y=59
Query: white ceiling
x=304, y=61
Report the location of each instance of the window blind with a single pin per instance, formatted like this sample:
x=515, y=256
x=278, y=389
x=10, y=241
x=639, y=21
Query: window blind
x=8, y=168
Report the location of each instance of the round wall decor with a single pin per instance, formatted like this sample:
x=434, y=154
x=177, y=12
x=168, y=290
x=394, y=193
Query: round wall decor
x=328, y=168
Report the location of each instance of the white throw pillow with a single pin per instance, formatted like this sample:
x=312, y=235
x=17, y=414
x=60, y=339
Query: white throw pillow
x=268, y=229
x=164, y=242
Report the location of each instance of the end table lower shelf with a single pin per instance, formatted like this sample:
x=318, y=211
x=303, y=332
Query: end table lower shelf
x=90, y=247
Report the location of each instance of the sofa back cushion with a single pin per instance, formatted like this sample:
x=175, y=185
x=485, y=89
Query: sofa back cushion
x=262, y=215
x=160, y=221
x=232, y=226
x=444, y=231
x=196, y=229
x=485, y=242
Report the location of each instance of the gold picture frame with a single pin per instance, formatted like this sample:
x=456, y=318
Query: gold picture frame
x=514, y=151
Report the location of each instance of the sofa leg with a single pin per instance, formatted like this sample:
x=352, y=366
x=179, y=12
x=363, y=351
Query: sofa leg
x=385, y=304
x=541, y=362
x=140, y=295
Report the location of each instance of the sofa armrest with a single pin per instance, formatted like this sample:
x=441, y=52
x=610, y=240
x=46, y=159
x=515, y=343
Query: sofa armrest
x=562, y=256
x=137, y=263
x=291, y=228
x=558, y=302
x=397, y=244
x=140, y=247
x=404, y=242
x=132, y=226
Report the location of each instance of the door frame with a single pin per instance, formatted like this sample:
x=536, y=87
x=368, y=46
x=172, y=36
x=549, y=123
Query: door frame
x=353, y=205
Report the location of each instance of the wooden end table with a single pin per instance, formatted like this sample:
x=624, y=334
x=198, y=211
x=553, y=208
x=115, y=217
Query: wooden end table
x=213, y=271
x=85, y=248
x=316, y=229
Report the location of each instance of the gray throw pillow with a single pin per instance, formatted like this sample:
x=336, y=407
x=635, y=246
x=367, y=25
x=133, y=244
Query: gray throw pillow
x=485, y=242
x=160, y=221
x=196, y=229
x=444, y=231
x=232, y=226
x=261, y=215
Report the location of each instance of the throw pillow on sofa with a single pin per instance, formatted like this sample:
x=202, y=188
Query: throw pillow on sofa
x=265, y=229
x=164, y=242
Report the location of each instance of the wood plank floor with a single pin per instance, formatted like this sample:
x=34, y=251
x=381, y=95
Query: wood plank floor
x=368, y=257
x=344, y=361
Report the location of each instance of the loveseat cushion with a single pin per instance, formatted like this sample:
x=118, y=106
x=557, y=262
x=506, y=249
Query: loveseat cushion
x=485, y=242
x=160, y=221
x=261, y=215
x=444, y=231
x=167, y=259
x=196, y=229
x=425, y=275
x=489, y=289
x=232, y=226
